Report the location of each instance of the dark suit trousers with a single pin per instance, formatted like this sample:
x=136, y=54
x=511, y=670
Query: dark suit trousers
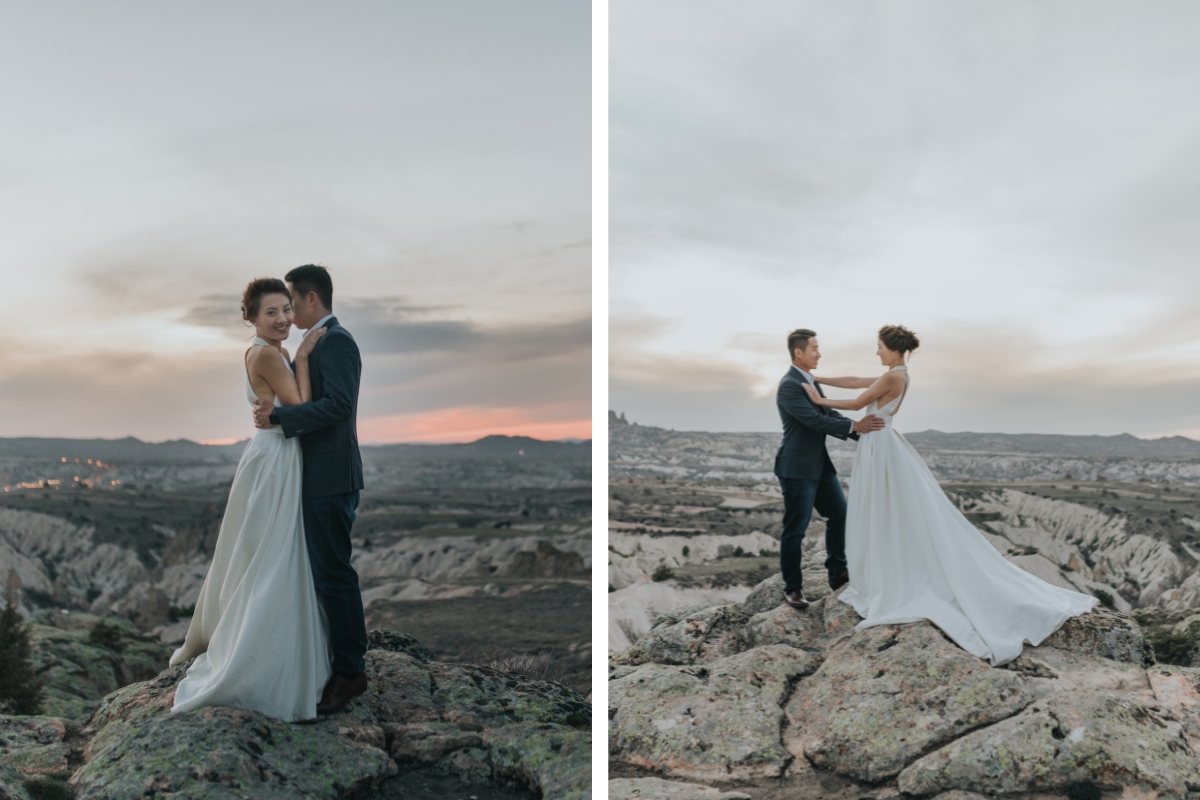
x=327, y=523
x=799, y=498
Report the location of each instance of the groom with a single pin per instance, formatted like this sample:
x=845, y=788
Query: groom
x=332, y=476
x=805, y=471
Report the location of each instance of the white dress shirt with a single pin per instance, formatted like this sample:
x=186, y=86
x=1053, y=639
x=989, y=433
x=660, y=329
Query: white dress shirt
x=323, y=320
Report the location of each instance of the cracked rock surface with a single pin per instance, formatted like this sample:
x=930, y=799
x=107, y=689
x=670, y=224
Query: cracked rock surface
x=482, y=725
x=766, y=692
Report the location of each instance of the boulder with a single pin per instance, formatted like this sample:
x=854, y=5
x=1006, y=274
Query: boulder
x=554, y=759
x=769, y=594
x=225, y=752
x=1105, y=634
x=79, y=672
x=839, y=618
x=12, y=784
x=683, y=642
x=889, y=694
x=717, y=722
x=1105, y=739
x=39, y=745
x=782, y=625
x=474, y=722
x=658, y=789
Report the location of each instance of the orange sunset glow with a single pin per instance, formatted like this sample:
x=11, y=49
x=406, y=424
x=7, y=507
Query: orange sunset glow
x=467, y=425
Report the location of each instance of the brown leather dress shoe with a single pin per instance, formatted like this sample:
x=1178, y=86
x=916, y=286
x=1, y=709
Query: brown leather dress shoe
x=325, y=692
x=341, y=691
x=840, y=580
x=796, y=599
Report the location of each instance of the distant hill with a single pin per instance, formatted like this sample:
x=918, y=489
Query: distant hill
x=491, y=447
x=496, y=461
x=647, y=450
x=185, y=450
x=127, y=449
x=1122, y=444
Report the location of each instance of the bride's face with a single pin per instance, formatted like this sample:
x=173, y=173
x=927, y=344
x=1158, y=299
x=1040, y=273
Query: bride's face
x=887, y=357
x=274, y=319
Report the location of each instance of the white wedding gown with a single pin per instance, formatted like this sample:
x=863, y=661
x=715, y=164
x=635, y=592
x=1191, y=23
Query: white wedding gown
x=912, y=556
x=259, y=633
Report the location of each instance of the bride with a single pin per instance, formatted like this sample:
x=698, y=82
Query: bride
x=259, y=636
x=912, y=555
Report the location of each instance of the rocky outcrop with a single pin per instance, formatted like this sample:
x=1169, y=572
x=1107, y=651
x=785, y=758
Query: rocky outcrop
x=634, y=610
x=720, y=722
x=927, y=689
x=474, y=722
x=451, y=558
x=632, y=554
x=79, y=667
x=1095, y=545
x=648, y=451
x=831, y=705
x=658, y=789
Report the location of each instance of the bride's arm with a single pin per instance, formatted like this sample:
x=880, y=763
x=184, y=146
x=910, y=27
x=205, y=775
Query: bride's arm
x=292, y=390
x=849, y=383
x=882, y=385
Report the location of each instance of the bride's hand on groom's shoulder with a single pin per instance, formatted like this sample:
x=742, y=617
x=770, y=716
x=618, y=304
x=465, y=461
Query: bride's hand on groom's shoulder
x=309, y=342
x=812, y=393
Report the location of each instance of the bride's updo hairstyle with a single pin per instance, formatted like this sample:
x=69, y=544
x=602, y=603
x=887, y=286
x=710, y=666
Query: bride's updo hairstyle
x=899, y=339
x=254, y=294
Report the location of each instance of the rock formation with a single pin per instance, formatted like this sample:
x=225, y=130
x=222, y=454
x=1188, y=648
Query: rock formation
x=740, y=696
x=474, y=722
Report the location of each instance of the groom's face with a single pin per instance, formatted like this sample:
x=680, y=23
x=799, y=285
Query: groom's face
x=807, y=358
x=303, y=308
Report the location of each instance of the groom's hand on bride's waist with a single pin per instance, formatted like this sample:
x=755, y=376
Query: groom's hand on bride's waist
x=868, y=423
x=262, y=413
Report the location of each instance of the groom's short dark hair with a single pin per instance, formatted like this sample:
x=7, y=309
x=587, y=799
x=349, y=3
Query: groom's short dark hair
x=311, y=278
x=797, y=339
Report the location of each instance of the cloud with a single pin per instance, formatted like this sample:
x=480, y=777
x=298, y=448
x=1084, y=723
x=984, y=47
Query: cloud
x=216, y=311
x=1010, y=181
x=963, y=378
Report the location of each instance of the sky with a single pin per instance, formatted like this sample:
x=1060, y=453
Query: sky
x=158, y=156
x=1016, y=181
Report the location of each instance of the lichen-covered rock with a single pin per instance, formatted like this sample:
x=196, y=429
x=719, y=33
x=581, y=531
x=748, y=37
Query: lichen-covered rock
x=12, y=784
x=683, y=642
x=679, y=614
x=768, y=594
x=716, y=722
x=416, y=711
x=136, y=701
x=888, y=694
x=474, y=695
x=658, y=789
x=1102, y=633
x=782, y=625
x=79, y=672
x=397, y=642
x=554, y=759
x=839, y=618
x=765, y=596
x=1103, y=738
x=1178, y=689
x=39, y=745
x=225, y=752
x=428, y=742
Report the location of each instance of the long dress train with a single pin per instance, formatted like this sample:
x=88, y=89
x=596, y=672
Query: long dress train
x=259, y=633
x=913, y=556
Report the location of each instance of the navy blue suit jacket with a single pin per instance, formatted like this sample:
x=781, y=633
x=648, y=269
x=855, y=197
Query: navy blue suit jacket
x=326, y=424
x=802, y=453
